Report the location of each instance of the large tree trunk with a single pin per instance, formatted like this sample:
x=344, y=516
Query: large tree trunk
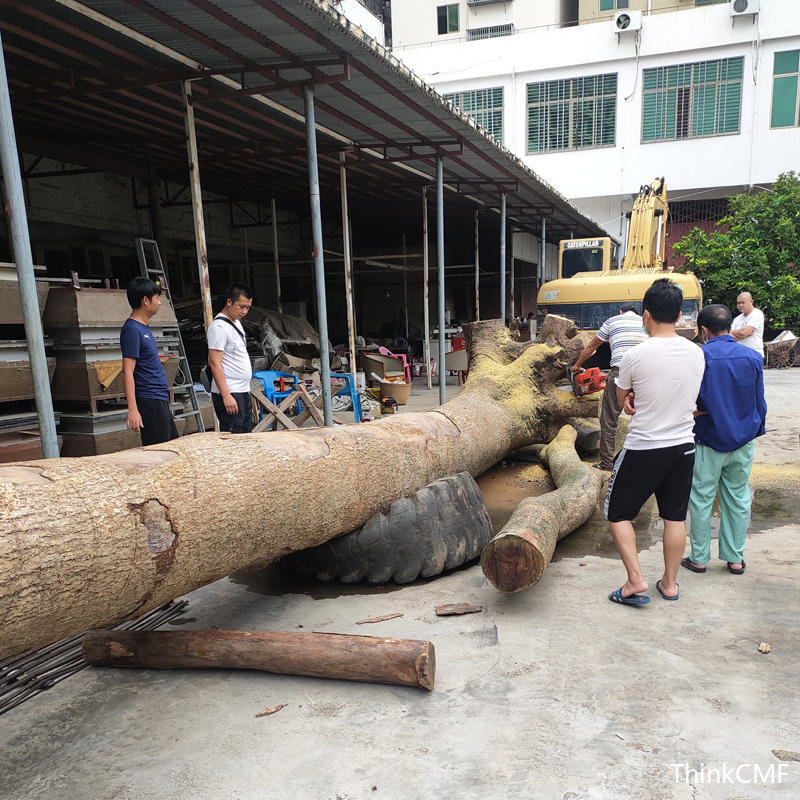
x=518, y=556
x=88, y=542
x=372, y=659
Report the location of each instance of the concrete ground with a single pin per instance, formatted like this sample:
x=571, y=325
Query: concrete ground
x=550, y=693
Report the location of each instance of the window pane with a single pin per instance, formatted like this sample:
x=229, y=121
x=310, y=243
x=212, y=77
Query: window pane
x=787, y=63
x=784, y=101
x=441, y=19
x=452, y=18
x=606, y=5
x=730, y=101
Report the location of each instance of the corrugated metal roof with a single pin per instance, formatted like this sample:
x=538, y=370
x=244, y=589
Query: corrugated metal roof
x=99, y=83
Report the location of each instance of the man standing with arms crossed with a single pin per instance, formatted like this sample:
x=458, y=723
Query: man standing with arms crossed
x=662, y=376
x=748, y=327
x=229, y=362
x=621, y=332
x=731, y=413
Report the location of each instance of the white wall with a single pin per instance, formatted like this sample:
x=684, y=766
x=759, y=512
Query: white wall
x=755, y=155
x=414, y=22
x=364, y=18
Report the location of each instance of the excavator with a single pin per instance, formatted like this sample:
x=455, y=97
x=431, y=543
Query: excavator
x=590, y=286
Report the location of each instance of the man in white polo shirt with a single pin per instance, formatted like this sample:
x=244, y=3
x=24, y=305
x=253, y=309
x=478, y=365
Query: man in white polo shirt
x=748, y=327
x=623, y=331
x=229, y=362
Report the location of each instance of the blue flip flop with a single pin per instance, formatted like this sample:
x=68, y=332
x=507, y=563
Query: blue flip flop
x=630, y=600
x=666, y=596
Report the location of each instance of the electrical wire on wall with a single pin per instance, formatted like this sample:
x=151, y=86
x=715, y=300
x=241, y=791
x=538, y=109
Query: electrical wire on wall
x=637, y=44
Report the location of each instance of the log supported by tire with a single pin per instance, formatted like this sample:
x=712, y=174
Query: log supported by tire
x=371, y=659
x=88, y=542
x=518, y=556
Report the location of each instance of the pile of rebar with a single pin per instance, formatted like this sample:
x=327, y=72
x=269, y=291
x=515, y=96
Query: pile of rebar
x=26, y=674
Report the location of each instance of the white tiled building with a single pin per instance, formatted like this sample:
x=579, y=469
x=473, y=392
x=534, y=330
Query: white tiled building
x=690, y=89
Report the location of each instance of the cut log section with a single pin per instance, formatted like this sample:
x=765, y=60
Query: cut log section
x=518, y=556
x=88, y=542
x=370, y=659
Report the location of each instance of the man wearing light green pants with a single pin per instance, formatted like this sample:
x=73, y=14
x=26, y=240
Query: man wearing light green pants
x=731, y=414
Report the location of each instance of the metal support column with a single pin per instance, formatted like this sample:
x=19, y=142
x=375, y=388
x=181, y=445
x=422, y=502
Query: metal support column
x=348, y=265
x=21, y=246
x=319, y=259
x=197, y=203
x=477, y=271
x=503, y=258
x=426, y=310
x=405, y=288
x=543, y=248
x=511, y=278
x=275, y=257
x=440, y=260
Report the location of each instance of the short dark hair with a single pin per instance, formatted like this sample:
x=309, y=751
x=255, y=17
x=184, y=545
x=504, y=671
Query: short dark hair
x=628, y=307
x=139, y=288
x=663, y=300
x=237, y=290
x=716, y=317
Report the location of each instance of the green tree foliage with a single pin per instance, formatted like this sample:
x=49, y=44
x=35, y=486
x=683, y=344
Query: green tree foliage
x=756, y=249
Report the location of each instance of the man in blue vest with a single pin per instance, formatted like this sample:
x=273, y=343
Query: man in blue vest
x=731, y=413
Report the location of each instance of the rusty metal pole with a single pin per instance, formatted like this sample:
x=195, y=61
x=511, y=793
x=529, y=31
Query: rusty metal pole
x=503, y=258
x=348, y=266
x=440, y=260
x=197, y=203
x=426, y=306
x=319, y=259
x=511, y=277
x=21, y=246
x=477, y=271
x=405, y=287
x=275, y=257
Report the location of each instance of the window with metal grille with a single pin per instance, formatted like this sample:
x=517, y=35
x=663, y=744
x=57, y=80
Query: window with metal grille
x=687, y=211
x=447, y=18
x=572, y=114
x=485, y=106
x=490, y=32
x=686, y=101
x=785, y=97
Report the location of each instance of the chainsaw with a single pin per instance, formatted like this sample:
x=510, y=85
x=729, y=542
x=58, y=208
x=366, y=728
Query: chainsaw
x=587, y=381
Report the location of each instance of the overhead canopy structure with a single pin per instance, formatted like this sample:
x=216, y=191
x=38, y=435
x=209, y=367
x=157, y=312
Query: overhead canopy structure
x=98, y=84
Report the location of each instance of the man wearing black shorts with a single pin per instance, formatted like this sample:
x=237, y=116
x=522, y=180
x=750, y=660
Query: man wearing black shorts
x=143, y=376
x=661, y=378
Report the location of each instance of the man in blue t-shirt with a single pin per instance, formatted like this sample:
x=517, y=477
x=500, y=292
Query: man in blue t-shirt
x=731, y=413
x=146, y=387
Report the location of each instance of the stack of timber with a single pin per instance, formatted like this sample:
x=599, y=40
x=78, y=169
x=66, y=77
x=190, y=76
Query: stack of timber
x=87, y=386
x=19, y=428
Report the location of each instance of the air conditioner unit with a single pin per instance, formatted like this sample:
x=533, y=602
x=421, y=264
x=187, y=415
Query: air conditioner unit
x=739, y=7
x=628, y=21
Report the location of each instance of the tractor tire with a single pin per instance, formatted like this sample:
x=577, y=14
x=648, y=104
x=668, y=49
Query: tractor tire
x=440, y=527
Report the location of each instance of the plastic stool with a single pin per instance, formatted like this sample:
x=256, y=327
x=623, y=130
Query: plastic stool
x=349, y=388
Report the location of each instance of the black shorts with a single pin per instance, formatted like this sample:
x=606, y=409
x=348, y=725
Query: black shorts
x=242, y=420
x=637, y=474
x=158, y=424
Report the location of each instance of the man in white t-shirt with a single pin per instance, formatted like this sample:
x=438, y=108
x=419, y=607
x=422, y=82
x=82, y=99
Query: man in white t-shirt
x=229, y=362
x=748, y=327
x=661, y=379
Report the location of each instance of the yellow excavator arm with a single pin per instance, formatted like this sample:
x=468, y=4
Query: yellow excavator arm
x=647, y=228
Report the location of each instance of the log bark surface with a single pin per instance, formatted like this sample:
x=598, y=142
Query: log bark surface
x=370, y=659
x=518, y=556
x=88, y=542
